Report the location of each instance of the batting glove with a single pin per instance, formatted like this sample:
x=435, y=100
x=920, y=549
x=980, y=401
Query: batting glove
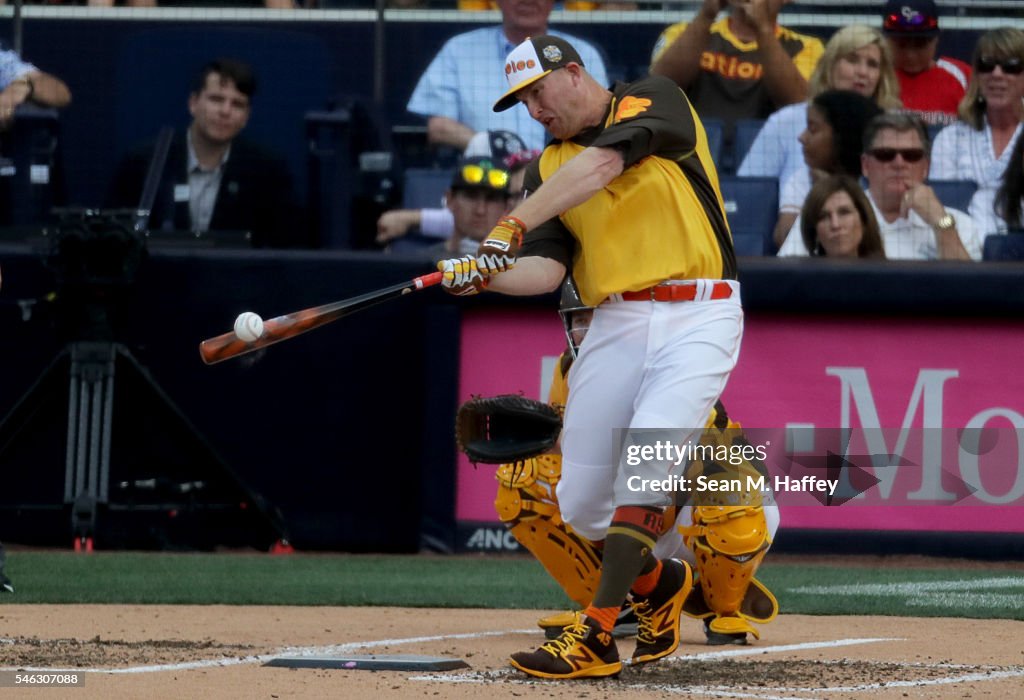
x=497, y=252
x=461, y=277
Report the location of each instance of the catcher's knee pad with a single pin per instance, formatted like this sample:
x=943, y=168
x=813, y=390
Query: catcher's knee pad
x=527, y=489
x=526, y=503
x=729, y=542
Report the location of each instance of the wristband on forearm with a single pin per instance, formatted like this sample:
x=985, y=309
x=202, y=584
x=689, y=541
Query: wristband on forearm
x=515, y=228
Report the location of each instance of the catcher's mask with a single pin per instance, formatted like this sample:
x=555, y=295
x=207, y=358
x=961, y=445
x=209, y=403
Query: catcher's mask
x=575, y=315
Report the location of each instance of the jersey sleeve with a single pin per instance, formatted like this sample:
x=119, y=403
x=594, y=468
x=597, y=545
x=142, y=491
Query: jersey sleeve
x=651, y=117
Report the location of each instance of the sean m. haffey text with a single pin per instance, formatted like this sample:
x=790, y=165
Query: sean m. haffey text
x=735, y=455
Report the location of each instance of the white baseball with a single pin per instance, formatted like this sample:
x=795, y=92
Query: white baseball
x=248, y=326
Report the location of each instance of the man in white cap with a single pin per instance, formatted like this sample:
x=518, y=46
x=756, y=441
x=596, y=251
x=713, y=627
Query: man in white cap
x=626, y=198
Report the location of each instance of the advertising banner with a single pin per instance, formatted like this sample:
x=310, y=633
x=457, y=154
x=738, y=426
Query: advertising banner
x=916, y=424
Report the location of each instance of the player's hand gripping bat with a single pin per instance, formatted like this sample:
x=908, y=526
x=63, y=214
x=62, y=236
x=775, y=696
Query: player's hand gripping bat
x=229, y=345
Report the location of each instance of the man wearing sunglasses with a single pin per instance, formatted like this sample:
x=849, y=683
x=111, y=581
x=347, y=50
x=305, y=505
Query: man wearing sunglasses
x=477, y=197
x=626, y=197
x=929, y=86
x=914, y=224
x=500, y=147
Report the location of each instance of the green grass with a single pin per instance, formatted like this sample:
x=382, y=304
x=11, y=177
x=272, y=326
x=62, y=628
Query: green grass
x=469, y=581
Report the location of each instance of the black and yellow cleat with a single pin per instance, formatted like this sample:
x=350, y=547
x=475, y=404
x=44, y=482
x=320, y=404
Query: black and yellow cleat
x=658, y=614
x=583, y=650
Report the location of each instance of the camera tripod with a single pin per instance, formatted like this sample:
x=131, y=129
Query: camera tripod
x=136, y=472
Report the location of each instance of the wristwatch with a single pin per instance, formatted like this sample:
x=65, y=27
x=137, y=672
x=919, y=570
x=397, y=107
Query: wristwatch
x=946, y=223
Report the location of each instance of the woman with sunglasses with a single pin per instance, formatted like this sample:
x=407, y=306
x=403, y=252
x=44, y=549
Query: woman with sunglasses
x=856, y=58
x=978, y=147
x=913, y=222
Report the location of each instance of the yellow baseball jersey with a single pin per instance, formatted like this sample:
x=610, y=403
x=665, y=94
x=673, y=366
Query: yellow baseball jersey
x=662, y=218
x=729, y=85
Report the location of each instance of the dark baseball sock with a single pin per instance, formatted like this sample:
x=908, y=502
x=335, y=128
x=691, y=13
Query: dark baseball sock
x=627, y=553
x=647, y=580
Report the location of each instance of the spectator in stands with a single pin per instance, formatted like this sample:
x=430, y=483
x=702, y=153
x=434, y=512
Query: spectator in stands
x=214, y=179
x=1010, y=195
x=978, y=147
x=22, y=82
x=456, y=92
x=929, y=87
x=498, y=146
x=837, y=220
x=477, y=197
x=914, y=224
x=856, y=58
x=742, y=67
x=832, y=146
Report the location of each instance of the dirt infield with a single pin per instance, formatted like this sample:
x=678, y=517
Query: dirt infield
x=218, y=652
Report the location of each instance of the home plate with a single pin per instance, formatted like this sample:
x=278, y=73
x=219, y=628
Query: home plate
x=371, y=662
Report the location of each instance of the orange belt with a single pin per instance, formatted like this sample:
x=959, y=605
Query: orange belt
x=677, y=292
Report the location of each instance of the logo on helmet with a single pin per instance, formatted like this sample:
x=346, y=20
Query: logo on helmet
x=516, y=66
x=552, y=53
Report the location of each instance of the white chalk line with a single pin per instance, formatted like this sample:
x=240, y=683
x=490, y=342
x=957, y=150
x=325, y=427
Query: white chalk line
x=263, y=658
x=506, y=675
x=976, y=593
x=478, y=676
x=911, y=588
x=802, y=646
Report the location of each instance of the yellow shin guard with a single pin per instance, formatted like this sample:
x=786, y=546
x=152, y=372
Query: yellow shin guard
x=526, y=504
x=729, y=542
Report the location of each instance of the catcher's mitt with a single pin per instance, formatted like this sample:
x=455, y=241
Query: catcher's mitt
x=506, y=428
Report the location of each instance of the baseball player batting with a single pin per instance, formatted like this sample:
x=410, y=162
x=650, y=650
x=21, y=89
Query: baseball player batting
x=626, y=197
x=725, y=594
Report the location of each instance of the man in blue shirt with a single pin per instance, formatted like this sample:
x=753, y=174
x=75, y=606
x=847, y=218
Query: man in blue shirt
x=456, y=92
x=22, y=82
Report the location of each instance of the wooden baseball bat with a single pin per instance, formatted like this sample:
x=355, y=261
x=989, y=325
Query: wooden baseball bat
x=226, y=346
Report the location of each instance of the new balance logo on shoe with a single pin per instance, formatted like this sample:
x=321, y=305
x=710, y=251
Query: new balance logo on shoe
x=582, y=650
x=658, y=613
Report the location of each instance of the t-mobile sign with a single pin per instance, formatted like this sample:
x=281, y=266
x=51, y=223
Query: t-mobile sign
x=912, y=424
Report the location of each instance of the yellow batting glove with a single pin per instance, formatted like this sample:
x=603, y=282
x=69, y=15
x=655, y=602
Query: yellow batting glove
x=497, y=252
x=460, y=276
